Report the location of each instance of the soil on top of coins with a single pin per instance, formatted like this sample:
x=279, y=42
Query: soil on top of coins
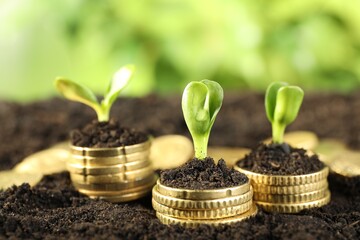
x=202, y=174
x=280, y=159
x=53, y=209
x=106, y=135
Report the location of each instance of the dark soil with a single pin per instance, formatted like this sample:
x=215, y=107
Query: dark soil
x=202, y=174
x=105, y=135
x=280, y=159
x=55, y=210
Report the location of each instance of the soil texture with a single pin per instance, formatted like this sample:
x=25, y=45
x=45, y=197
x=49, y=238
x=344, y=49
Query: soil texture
x=202, y=174
x=280, y=159
x=106, y=135
x=55, y=210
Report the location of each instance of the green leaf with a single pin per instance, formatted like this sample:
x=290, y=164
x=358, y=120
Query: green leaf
x=215, y=97
x=271, y=98
x=117, y=84
x=201, y=102
x=76, y=92
x=288, y=102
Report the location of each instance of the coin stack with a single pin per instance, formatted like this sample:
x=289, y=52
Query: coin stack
x=115, y=174
x=289, y=194
x=190, y=208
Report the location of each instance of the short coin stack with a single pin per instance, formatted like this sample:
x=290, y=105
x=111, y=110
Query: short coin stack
x=115, y=174
x=190, y=208
x=289, y=194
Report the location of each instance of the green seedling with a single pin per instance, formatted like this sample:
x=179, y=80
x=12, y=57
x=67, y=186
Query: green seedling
x=201, y=102
x=76, y=92
x=282, y=104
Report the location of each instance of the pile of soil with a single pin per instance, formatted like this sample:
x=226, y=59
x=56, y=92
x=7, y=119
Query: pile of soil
x=280, y=159
x=202, y=174
x=105, y=135
x=55, y=210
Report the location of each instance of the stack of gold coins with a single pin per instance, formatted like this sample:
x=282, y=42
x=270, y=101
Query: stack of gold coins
x=115, y=174
x=289, y=194
x=190, y=208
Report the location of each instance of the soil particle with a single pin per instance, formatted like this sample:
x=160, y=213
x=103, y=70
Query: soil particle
x=202, y=174
x=280, y=159
x=105, y=135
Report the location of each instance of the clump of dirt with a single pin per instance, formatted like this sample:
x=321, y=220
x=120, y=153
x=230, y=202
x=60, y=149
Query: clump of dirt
x=202, y=174
x=280, y=159
x=105, y=135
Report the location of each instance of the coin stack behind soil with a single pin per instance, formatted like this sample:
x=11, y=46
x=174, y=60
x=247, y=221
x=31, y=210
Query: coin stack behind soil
x=289, y=194
x=115, y=174
x=190, y=208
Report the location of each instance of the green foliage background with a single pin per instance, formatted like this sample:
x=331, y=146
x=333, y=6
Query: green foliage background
x=242, y=44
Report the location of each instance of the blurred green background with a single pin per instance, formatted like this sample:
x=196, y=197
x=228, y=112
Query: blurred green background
x=243, y=44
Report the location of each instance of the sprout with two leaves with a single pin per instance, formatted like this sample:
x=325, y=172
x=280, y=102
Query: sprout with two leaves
x=78, y=93
x=201, y=102
x=282, y=104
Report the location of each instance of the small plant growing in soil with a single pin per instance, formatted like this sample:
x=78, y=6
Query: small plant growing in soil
x=282, y=104
x=201, y=102
x=76, y=92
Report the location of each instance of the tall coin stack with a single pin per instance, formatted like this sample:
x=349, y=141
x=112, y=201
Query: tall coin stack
x=289, y=194
x=190, y=208
x=115, y=174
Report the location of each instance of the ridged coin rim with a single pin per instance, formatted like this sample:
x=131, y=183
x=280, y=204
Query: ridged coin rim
x=296, y=189
x=285, y=180
x=186, y=204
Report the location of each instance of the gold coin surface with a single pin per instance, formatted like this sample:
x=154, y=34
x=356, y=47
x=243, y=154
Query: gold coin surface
x=171, y=151
x=202, y=194
x=113, y=178
x=296, y=207
x=201, y=204
x=285, y=180
x=10, y=178
x=125, y=197
x=119, y=186
x=300, y=139
x=290, y=198
x=229, y=154
x=109, y=152
x=296, y=189
x=204, y=213
x=144, y=187
x=348, y=164
x=47, y=161
x=329, y=150
x=190, y=223
x=101, y=170
x=104, y=161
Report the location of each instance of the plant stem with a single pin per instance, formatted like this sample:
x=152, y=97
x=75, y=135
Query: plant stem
x=103, y=114
x=278, y=131
x=200, y=145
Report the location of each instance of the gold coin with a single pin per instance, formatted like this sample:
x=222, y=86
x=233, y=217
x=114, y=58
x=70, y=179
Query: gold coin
x=201, y=204
x=348, y=164
x=295, y=207
x=230, y=155
x=202, y=214
x=214, y=222
x=144, y=187
x=202, y=194
x=109, y=152
x=45, y=162
x=296, y=189
x=300, y=139
x=119, y=186
x=329, y=150
x=291, y=198
x=285, y=180
x=113, y=178
x=125, y=197
x=170, y=151
x=104, y=161
x=10, y=178
x=101, y=170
